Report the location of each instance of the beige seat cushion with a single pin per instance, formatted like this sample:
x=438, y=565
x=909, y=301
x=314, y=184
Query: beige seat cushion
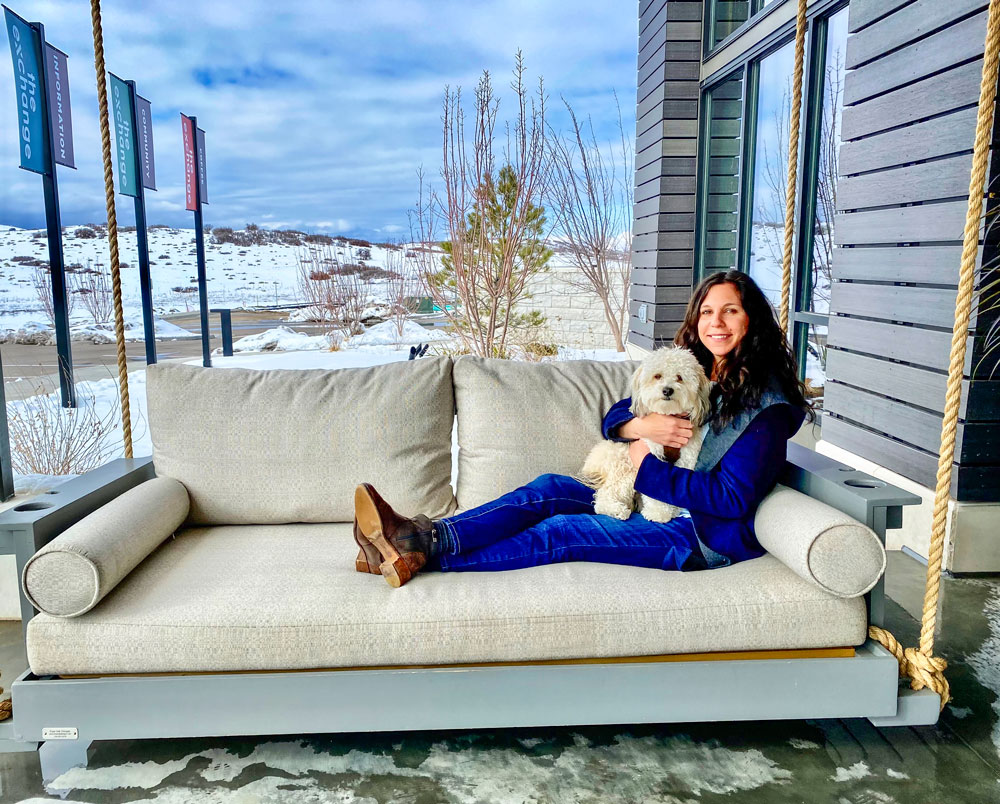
x=288, y=597
x=517, y=421
x=267, y=447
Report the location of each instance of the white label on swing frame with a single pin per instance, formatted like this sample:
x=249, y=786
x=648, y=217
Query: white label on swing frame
x=60, y=733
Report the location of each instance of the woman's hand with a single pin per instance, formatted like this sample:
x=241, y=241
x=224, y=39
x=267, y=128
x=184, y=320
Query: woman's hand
x=669, y=431
x=637, y=450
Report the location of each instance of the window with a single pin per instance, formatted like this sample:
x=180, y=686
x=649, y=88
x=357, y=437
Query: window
x=744, y=168
x=726, y=16
x=723, y=135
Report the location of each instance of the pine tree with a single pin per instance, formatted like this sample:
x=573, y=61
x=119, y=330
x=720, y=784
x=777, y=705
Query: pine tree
x=502, y=268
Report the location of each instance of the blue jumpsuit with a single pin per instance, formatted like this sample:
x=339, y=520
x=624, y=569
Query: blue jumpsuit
x=552, y=518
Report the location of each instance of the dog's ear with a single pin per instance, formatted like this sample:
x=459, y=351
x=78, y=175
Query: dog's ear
x=638, y=406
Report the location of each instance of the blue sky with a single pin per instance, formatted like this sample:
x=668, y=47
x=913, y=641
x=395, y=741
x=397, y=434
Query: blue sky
x=317, y=114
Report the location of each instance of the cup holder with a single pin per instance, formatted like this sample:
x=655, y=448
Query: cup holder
x=864, y=483
x=34, y=506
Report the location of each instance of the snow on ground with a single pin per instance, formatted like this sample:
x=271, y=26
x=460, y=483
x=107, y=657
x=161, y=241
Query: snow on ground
x=39, y=332
x=387, y=334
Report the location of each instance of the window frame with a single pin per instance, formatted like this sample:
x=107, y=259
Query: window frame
x=811, y=119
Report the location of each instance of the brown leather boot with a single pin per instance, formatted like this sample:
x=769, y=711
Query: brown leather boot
x=403, y=544
x=368, y=558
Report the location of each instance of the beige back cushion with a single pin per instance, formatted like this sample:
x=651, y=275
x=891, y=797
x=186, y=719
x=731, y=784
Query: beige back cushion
x=520, y=420
x=270, y=447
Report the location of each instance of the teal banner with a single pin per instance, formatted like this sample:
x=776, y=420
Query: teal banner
x=121, y=115
x=25, y=48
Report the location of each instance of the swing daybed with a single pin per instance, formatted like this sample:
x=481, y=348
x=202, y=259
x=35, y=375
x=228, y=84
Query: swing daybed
x=182, y=589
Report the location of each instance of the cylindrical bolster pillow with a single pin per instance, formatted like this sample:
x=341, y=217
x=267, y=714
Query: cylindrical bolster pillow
x=819, y=543
x=73, y=572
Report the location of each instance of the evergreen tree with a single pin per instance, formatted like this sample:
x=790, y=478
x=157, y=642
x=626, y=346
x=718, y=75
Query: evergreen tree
x=502, y=267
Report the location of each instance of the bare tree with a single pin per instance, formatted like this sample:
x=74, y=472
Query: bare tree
x=590, y=192
x=336, y=293
x=489, y=213
x=93, y=287
x=41, y=280
x=400, y=286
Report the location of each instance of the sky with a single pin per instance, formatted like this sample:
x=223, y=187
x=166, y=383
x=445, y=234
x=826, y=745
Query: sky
x=317, y=114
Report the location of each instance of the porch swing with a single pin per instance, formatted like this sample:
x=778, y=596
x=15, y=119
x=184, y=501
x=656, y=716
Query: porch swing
x=640, y=689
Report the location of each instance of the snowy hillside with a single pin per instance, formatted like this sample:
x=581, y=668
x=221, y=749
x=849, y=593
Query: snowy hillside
x=238, y=276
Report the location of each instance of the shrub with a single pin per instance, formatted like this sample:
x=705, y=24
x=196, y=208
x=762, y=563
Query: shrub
x=541, y=349
x=322, y=239
x=364, y=253
x=84, y=234
x=48, y=439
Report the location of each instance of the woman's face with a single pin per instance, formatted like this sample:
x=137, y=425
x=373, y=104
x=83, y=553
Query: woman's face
x=722, y=321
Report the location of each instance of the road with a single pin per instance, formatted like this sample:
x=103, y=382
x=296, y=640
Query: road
x=27, y=368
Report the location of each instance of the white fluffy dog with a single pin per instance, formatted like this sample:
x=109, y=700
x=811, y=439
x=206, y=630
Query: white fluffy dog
x=670, y=381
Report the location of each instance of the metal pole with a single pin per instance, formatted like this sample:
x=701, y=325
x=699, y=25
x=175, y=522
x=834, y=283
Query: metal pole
x=199, y=235
x=226, y=321
x=6, y=467
x=145, y=281
x=53, y=224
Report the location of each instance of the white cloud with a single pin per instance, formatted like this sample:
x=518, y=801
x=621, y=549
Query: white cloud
x=309, y=112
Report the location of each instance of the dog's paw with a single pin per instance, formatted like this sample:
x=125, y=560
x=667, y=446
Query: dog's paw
x=616, y=510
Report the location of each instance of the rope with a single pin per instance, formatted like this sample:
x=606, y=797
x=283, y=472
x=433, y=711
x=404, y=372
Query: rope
x=5, y=708
x=920, y=664
x=793, y=167
x=109, y=192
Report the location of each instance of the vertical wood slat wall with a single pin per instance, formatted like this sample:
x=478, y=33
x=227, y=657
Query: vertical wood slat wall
x=669, y=64
x=908, y=128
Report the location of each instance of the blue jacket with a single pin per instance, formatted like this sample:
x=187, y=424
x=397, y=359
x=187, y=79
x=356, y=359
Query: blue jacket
x=723, y=497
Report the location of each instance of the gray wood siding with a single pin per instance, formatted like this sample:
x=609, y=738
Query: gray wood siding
x=665, y=201
x=914, y=71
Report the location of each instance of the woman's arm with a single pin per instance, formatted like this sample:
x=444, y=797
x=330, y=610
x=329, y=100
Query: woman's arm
x=621, y=425
x=744, y=476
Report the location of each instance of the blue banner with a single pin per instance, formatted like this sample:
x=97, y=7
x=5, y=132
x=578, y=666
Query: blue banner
x=121, y=117
x=25, y=49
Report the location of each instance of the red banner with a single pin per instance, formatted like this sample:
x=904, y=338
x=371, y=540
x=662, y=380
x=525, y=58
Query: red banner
x=190, y=170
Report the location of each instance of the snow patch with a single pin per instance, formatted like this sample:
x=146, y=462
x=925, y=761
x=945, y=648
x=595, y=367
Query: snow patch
x=281, y=339
x=895, y=774
x=985, y=662
x=803, y=745
x=859, y=770
x=387, y=334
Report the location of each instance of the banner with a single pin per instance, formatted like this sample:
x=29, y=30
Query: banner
x=24, y=49
x=121, y=117
x=202, y=170
x=60, y=114
x=144, y=132
x=190, y=171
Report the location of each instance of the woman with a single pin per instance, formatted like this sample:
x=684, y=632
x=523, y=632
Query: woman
x=758, y=404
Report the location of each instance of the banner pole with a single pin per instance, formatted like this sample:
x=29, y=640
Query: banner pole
x=145, y=280
x=53, y=225
x=6, y=466
x=199, y=235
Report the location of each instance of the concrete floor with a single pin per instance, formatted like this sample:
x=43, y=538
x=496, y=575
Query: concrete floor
x=842, y=762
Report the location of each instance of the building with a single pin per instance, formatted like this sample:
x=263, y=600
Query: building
x=890, y=92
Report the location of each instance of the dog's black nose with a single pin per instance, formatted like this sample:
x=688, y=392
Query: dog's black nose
x=668, y=392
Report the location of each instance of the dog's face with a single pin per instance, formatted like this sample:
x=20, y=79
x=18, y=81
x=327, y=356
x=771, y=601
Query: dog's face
x=671, y=381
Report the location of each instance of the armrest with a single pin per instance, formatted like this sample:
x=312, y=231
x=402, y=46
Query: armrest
x=866, y=498
x=73, y=572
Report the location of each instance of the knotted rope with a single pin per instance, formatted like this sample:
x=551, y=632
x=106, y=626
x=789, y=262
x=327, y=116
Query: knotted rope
x=109, y=193
x=793, y=159
x=5, y=707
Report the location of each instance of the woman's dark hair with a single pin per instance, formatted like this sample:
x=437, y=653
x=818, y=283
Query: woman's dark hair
x=761, y=358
